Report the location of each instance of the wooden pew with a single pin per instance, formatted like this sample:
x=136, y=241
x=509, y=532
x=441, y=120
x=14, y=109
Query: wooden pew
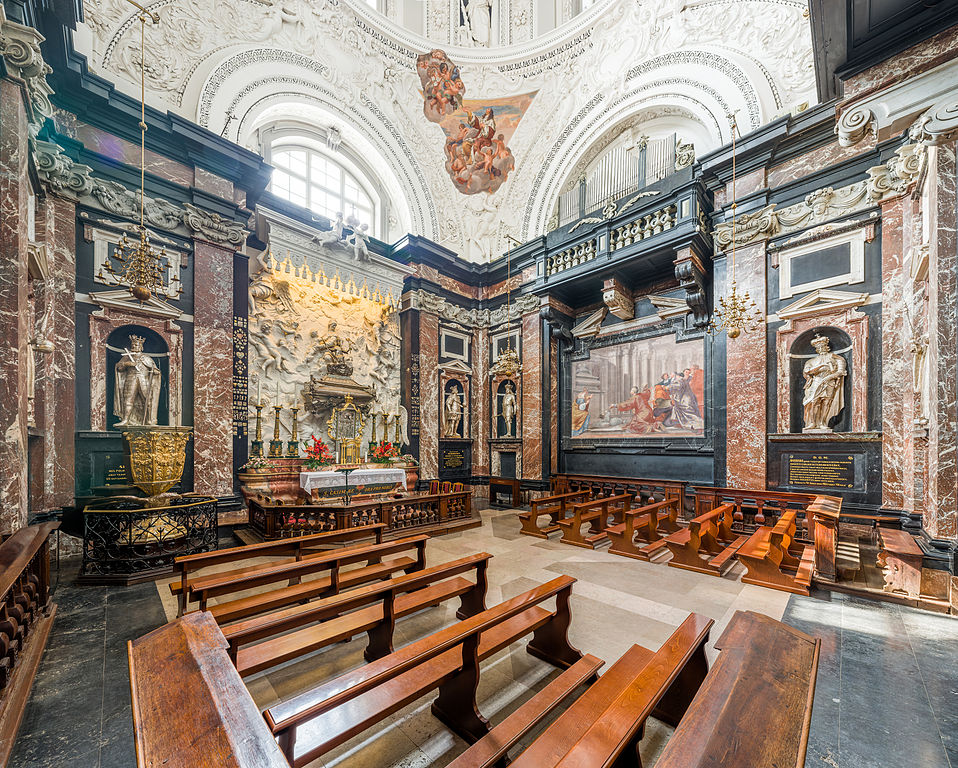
x=708, y=544
x=771, y=562
x=216, y=585
x=755, y=706
x=555, y=506
x=319, y=720
x=644, y=491
x=190, y=707
x=900, y=559
x=608, y=719
x=640, y=534
x=187, y=565
x=26, y=616
x=596, y=513
x=373, y=609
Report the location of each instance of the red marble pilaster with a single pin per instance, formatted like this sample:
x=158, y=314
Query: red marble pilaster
x=212, y=369
x=56, y=371
x=554, y=405
x=895, y=378
x=941, y=510
x=14, y=188
x=531, y=396
x=481, y=423
x=746, y=382
x=429, y=396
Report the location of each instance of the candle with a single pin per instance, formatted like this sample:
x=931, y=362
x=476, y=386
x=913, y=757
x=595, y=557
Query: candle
x=259, y=391
x=277, y=393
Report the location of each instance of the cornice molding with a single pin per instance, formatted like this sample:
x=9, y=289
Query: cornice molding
x=424, y=301
x=74, y=181
x=20, y=49
x=886, y=181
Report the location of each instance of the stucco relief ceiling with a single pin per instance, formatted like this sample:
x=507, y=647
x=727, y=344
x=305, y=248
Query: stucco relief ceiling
x=231, y=65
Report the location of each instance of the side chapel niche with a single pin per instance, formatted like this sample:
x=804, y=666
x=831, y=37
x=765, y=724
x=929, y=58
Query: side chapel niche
x=138, y=376
x=806, y=384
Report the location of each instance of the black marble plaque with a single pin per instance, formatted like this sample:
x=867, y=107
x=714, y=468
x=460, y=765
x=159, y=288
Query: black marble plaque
x=455, y=459
x=823, y=470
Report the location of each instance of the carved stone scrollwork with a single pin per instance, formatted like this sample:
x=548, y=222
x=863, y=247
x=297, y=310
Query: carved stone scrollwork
x=20, y=48
x=618, y=298
x=854, y=125
x=60, y=173
x=473, y=318
x=558, y=325
x=749, y=226
x=693, y=277
x=213, y=227
x=684, y=155
x=938, y=125
x=897, y=175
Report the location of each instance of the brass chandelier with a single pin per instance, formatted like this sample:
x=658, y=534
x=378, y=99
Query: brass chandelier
x=735, y=313
x=143, y=264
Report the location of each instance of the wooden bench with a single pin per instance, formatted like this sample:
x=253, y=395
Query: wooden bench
x=708, y=544
x=640, y=534
x=606, y=721
x=373, y=609
x=900, y=559
x=770, y=560
x=755, y=706
x=554, y=506
x=596, y=513
x=216, y=585
x=190, y=707
x=26, y=616
x=187, y=565
x=644, y=491
x=319, y=720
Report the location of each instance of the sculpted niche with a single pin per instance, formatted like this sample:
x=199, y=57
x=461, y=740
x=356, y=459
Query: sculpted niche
x=823, y=395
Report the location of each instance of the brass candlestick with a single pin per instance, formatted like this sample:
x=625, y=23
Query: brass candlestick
x=372, y=415
x=256, y=449
x=276, y=444
x=396, y=424
x=292, y=447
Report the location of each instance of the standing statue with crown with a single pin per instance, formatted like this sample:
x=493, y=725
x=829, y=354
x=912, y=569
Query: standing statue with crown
x=137, y=386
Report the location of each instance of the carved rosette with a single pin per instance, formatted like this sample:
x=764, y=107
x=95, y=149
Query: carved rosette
x=157, y=457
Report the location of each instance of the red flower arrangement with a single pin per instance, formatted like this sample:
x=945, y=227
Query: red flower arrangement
x=383, y=452
x=317, y=454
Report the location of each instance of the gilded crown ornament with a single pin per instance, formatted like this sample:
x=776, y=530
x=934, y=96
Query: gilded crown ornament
x=736, y=312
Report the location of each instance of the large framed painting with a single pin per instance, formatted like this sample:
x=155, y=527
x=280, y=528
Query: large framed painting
x=646, y=388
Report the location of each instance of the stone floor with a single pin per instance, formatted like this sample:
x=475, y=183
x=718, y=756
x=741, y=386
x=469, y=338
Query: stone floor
x=887, y=691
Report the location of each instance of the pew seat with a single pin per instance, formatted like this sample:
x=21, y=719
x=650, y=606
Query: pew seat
x=708, y=544
x=493, y=747
x=596, y=515
x=900, y=559
x=311, y=724
x=754, y=708
x=297, y=590
x=772, y=559
x=604, y=725
x=555, y=506
x=642, y=527
x=266, y=641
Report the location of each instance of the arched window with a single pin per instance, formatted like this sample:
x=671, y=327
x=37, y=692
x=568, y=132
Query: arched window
x=323, y=184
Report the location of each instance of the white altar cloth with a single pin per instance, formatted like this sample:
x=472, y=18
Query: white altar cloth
x=332, y=478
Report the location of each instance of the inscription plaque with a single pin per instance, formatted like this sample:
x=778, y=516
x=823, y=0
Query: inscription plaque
x=839, y=471
x=453, y=459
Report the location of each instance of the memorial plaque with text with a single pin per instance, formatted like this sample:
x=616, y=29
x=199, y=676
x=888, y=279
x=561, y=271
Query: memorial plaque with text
x=455, y=460
x=832, y=471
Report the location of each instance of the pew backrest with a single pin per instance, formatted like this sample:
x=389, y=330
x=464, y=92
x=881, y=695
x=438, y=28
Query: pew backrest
x=190, y=706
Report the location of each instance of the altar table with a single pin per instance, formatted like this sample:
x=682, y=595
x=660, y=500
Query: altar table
x=331, y=483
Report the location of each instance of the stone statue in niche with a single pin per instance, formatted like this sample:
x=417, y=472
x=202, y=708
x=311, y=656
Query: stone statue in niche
x=452, y=413
x=507, y=409
x=824, y=395
x=136, y=393
x=479, y=15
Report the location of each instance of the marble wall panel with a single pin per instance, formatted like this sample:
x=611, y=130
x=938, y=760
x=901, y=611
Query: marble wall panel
x=122, y=151
x=457, y=286
x=941, y=512
x=212, y=369
x=746, y=382
x=514, y=283
x=895, y=375
x=914, y=443
x=531, y=396
x=816, y=160
x=213, y=184
x=745, y=184
x=429, y=396
x=14, y=187
x=553, y=405
x=919, y=58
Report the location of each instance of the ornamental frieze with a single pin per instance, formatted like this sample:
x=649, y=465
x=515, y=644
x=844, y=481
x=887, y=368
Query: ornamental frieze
x=472, y=318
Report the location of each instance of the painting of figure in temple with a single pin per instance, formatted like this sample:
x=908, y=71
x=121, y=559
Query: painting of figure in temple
x=648, y=388
x=442, y=86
